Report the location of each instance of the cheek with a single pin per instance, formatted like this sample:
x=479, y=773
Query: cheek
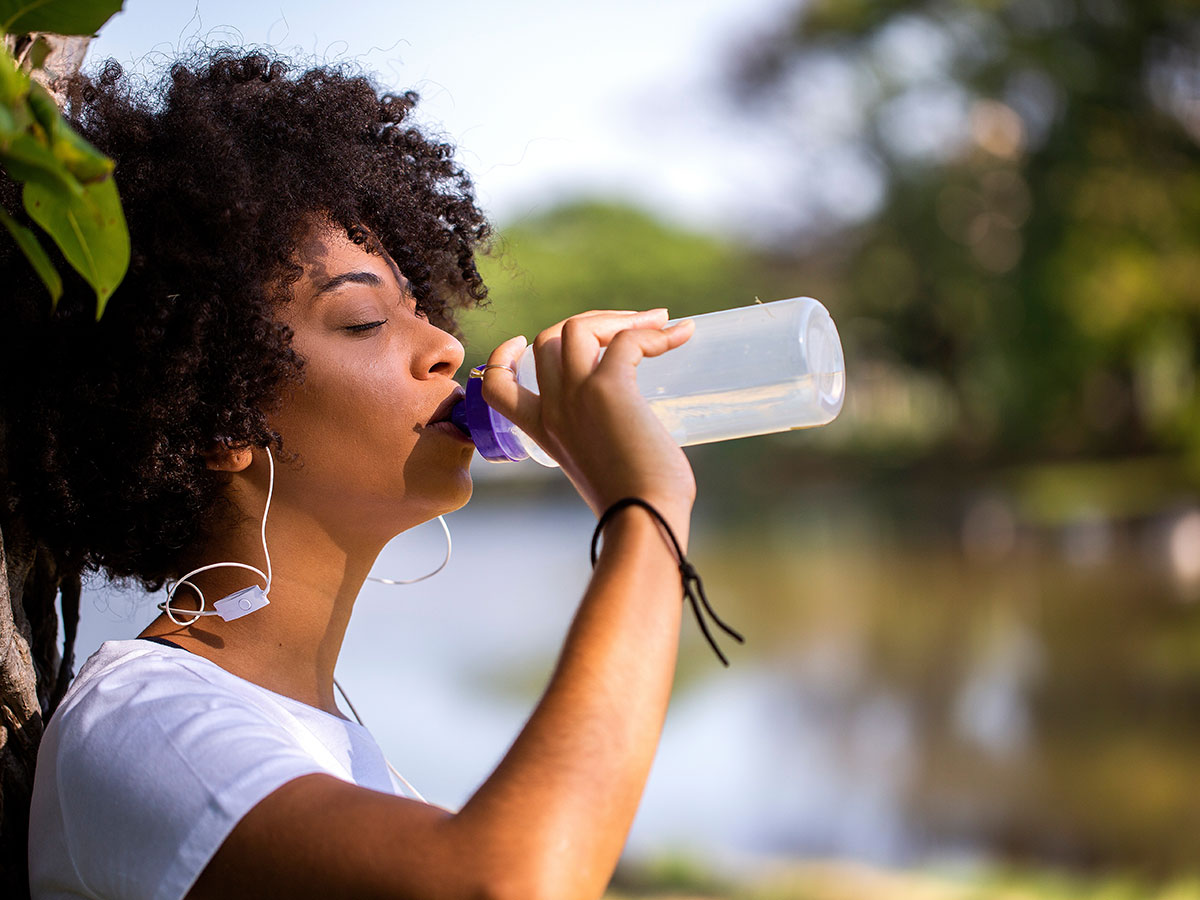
x=360, y=402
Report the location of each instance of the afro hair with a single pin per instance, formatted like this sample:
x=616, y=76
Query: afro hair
x=223, y=167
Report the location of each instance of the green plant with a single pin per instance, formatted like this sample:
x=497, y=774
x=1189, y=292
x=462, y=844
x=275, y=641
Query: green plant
x=68, y=190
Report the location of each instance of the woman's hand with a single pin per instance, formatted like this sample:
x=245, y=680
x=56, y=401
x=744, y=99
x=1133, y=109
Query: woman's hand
x=590, y=417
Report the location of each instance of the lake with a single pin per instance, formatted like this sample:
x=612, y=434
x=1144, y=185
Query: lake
x=901, y=698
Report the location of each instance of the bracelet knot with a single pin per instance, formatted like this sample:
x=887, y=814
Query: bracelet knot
x=693, y=587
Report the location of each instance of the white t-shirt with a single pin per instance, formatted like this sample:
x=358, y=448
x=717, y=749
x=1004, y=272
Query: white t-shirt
x=154, y=755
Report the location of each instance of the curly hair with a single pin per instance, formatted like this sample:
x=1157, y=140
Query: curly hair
x=223, y=168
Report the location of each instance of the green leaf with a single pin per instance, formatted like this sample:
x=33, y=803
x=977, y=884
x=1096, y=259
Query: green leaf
x=29, y=160
x=8, y=125
x=79, y=157
x=42, y=105
x=82, y=160
x=14, y=84
x=36, y=255
x=56, y=16
x=89, y=229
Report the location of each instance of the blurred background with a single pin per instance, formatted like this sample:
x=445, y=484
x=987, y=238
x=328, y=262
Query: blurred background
x=973, y=656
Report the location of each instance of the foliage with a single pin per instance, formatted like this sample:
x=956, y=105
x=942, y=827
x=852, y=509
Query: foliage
x=68, y=189
x=56, y=16
x=847, y=881
x=1034, y=257
x=594, y=255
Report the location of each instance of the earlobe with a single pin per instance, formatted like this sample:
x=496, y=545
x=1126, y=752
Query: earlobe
x=228, y=459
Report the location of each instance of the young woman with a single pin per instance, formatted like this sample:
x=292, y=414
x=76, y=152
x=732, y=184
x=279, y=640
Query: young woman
x=285, y=335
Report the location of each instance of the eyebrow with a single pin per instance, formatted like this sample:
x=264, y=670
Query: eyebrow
x=368, y=278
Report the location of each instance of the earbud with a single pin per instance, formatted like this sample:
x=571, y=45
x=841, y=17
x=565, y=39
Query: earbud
x=253, y=598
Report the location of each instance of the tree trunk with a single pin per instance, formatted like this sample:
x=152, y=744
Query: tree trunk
x=33, y=677
x=64, y=59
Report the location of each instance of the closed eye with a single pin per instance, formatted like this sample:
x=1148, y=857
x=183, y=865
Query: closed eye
x=365, y=326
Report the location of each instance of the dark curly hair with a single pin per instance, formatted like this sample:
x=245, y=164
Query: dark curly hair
x=222, y=168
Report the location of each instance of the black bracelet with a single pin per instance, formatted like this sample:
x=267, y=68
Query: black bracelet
x=693, y=587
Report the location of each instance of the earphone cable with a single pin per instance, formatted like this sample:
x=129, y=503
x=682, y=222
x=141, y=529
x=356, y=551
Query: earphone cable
x=354, y=712
x=166, y=607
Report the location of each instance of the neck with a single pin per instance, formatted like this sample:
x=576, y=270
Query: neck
x=292, y=645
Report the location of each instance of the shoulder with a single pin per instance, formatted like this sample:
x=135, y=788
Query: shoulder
x=147, y=765
x=139, y=713
x=139, y=698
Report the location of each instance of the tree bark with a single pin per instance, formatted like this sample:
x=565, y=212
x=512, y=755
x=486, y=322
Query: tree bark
x=64, y=59
x=33, y=676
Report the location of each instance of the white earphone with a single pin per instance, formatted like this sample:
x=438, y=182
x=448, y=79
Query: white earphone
x=249, y=599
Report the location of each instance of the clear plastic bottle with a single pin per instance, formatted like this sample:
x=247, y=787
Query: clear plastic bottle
x=751, y=370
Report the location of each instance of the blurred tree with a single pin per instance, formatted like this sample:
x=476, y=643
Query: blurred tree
x=1009, y=227
x=595, y=255
x=1027, y=222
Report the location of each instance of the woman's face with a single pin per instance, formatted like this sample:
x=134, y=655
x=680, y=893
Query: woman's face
x=369, y=421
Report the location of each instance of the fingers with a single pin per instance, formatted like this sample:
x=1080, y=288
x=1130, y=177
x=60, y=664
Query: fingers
x=569, y=348
x=582, y=338
x=629, y=347
x=555, y=330
x=566, y=353
x=500, y=388
x=602, y=326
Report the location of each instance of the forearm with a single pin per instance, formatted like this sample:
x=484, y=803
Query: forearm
x=556, y=812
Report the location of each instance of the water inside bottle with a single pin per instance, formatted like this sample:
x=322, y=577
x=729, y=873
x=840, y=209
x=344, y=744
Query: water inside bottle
x=708, y=416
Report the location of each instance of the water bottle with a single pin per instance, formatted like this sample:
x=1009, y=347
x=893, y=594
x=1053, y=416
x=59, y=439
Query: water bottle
x=751, y=370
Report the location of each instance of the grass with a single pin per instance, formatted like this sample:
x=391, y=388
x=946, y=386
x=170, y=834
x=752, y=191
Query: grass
x=677, y=880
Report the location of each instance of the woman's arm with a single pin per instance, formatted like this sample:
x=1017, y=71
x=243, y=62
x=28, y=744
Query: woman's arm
x=551, y=821
x=565, y=795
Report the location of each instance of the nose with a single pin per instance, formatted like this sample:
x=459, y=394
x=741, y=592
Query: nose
x=441, y=352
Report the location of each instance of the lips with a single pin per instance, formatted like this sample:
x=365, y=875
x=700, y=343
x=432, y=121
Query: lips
x=442, y=413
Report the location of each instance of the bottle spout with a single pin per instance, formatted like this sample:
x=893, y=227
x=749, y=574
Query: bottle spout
x=491, y=432
x=458, y=416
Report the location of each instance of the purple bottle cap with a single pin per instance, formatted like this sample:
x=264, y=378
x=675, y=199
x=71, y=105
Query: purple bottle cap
x=491, y=432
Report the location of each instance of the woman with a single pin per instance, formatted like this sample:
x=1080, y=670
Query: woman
x=285, y=335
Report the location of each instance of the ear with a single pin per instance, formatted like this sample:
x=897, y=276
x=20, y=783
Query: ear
x=220, y=458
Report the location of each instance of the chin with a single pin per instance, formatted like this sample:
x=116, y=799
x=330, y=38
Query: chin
x=462, y=487
x=438, y=485
x=467, y=490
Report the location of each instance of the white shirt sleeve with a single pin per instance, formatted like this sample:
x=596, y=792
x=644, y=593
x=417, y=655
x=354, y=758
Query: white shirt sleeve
x=152, y=766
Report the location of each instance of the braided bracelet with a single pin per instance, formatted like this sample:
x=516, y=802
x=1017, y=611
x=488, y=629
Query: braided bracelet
x=693, y=587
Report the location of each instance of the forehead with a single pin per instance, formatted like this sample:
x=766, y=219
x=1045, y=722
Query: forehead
x=327, y=252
